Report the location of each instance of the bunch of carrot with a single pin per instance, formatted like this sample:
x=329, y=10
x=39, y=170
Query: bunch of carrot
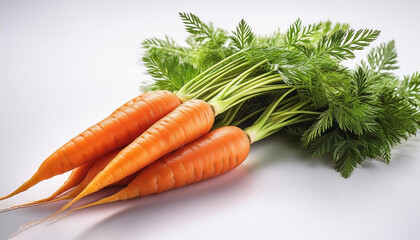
x=170, y=137
x=184, y=128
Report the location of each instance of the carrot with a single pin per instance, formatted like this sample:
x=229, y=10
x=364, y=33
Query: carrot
x=117, y=130
x=211, y=155
x=186, y=123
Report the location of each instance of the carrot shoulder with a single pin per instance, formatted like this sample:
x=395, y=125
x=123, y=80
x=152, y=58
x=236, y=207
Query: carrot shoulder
x=211, y=155
x=117, y=130
x=186, y=123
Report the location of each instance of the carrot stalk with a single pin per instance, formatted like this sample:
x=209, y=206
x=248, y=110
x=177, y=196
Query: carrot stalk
x=117, y=130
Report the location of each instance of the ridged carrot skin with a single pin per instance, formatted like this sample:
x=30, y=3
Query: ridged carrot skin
x=132, y=101
x=186, y=123
x=117, y=130
x=211, y=155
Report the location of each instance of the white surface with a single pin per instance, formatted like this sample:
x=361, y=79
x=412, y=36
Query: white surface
x=65, y=65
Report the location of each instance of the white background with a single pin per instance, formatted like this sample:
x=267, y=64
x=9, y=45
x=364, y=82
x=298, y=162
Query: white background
x=65, y=65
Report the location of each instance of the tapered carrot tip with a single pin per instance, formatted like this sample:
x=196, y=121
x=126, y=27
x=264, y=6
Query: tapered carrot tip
x=82, y=194
x=112, y=198
x=33, y=204
x=28, y=226
x=109, y=199
x=25, y=186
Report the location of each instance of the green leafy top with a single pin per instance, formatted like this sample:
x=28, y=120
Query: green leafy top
x=294, y=80
x=298, y=34
x=243, y=37
x=378, y=111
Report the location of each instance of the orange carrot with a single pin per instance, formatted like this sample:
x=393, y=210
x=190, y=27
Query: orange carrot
x=186, y=123
x=117, y=130
x=211, y=155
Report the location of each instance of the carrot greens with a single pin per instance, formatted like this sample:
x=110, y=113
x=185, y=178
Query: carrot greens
x=294, y=80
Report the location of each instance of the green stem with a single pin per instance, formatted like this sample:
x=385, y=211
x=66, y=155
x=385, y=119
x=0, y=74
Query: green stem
x=256, y=80
x=229, y=117
x=294, y=113
x=277, y=117
x=243, y=119
x=197, y=78
x=213, y=89
x=238, y=79
x=221, y=105
x=216, y=76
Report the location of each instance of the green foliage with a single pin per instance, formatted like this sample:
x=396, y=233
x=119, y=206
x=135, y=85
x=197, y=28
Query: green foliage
x=168, y=73
x=323, y=123
x=360, y=113
x=327, y=29
x=196, y=27
x=298, y=34
x=378, y=113
x=243, y=37
x=273, y=40
x=203, y=33
x=165, y=46
x=342, y=44
x=383, y=58
x=409, y=88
